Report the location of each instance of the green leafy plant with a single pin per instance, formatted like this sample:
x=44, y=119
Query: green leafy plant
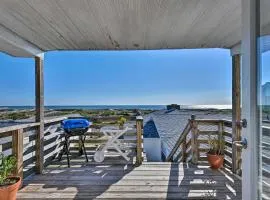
x=7, y=167
x=108, y=113
x=216, y=145
x=121, y=121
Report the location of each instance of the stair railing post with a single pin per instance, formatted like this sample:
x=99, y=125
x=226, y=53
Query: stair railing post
x=194, y=140
x=139, y=128
x=221, y=133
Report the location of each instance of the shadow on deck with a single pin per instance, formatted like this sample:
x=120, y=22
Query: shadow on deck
x=201, y=182
x=117, y=179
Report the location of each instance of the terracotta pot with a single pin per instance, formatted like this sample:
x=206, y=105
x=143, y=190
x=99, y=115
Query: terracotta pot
x=9, y=192
x=215, y=161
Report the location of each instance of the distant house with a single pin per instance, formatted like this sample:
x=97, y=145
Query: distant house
x=168, y=124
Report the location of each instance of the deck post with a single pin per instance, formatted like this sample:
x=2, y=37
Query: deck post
x=39, y=112
x=236, y=112
x=194, y=140
x=17, y=150
x=139, y=127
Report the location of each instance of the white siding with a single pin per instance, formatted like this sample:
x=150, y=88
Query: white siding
x=152, y=148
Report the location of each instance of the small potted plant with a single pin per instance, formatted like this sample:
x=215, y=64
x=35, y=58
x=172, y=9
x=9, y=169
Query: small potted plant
x=121, y=122
x=215, y=155
x=9, y=184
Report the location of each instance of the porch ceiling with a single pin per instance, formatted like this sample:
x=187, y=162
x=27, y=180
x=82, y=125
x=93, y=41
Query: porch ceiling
x=29, y=27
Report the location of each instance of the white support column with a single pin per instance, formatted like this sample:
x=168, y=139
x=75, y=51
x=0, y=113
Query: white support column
x=250, y=110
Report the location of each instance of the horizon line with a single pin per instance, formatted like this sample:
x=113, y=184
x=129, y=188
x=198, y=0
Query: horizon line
x=125, y=105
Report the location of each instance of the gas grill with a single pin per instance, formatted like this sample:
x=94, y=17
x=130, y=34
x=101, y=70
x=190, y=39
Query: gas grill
x=74, y=127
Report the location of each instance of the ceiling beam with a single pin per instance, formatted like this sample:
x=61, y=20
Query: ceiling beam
x=18, y=42
x=236, y=49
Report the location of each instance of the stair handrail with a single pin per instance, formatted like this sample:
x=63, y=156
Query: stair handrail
x=180, y=140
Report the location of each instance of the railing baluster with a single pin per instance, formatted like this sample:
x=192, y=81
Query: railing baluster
x=139, y=127
x=194, y=140
x=22, y=142
x=179, y=142
x=17, y=150
x=184, y=150
x=220, y=130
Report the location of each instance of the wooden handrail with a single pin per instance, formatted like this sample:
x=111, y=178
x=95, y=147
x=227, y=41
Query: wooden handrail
x=28, y=125
x=208, y=120
x=16, y=127
x=179, y=141
x=219, y=130
x=20, y=134
x=21, y=143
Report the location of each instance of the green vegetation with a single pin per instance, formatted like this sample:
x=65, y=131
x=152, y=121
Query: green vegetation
x=16, y=115
x=86, y=113
x=108, y=113
x=121, y=121
x=124, y=113
x=216, y=145
x=7, y=166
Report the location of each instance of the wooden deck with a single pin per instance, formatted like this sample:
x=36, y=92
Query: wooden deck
x=116, y=179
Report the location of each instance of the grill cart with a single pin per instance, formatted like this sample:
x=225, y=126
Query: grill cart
x=74, y=127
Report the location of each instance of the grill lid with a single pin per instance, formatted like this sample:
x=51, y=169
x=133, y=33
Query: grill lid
x=78, y=123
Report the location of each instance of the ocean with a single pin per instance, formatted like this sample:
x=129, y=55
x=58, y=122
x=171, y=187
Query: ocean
x=117, y=107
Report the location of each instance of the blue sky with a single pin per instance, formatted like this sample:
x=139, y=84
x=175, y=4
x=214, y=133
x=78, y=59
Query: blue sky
x=265, y=70
x=191, y=77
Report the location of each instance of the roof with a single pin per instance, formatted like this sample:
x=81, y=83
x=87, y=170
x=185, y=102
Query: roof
x=171, y=123
x=30, y=27
x=150, y=130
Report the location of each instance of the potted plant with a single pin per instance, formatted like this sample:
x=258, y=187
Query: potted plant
x=121, y=122
x=9, y=184
x=215, y=155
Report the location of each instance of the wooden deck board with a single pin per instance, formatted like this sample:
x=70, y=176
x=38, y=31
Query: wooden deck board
x=119, y=180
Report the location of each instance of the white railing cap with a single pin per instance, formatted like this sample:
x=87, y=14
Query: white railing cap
x=139, y=118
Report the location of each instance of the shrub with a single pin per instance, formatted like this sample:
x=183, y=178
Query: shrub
x=216, y=146
x=121, y=121
x=7, y=166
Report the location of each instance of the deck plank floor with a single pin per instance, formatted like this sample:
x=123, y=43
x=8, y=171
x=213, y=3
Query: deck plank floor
x=116, y=179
